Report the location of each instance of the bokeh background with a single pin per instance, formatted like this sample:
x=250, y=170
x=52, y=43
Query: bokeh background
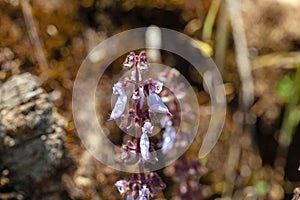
x=255, y=45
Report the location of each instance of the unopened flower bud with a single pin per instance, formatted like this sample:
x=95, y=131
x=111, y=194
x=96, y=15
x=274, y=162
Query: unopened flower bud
x=144, y=146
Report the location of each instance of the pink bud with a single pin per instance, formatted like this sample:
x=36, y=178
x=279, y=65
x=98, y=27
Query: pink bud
x=143, y=63
x=129, y=61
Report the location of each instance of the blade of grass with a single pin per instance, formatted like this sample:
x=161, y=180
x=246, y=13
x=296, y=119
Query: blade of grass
x=210, y=19
x=291, y=115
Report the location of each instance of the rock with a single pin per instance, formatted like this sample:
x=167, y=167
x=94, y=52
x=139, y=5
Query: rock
x=31, y=139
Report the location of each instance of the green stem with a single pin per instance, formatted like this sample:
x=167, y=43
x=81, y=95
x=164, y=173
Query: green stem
x=210, y=18
x=291, y=115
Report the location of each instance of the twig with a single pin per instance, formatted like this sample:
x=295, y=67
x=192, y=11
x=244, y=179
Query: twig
x=33, y=35
x=247, y=90
x=283, y=60
x=241, y=52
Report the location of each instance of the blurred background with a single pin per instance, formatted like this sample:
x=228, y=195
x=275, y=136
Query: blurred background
x=255, y=44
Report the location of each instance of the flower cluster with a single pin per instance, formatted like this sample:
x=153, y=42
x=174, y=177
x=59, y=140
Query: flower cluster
x=296, y=194
x=134, y=188
x=145, y=105
x=185, y=173
x=186, y=176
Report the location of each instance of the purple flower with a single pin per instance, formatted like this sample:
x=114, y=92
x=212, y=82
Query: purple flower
x=155, y=86
x=118, y=89
x=129, y=61
x=147, y=128
x=155, y=183
x=121, y=185
x=168, y=139
x=143, y=63
x=120, y=105
x=156, y=104
x=144, y=146
x=144, y=193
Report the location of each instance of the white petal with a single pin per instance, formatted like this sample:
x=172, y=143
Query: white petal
x=156, y=104
x=118, y=89
x=144, y=146
x=121, y=185
x=119, y=107
x=144, y=191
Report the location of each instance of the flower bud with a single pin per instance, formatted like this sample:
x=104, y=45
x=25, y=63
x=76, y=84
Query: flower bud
x=144, y=146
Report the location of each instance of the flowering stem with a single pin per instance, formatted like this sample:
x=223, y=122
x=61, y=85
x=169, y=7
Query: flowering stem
x=138, y=151
x=139, y=124
x=139, y=186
